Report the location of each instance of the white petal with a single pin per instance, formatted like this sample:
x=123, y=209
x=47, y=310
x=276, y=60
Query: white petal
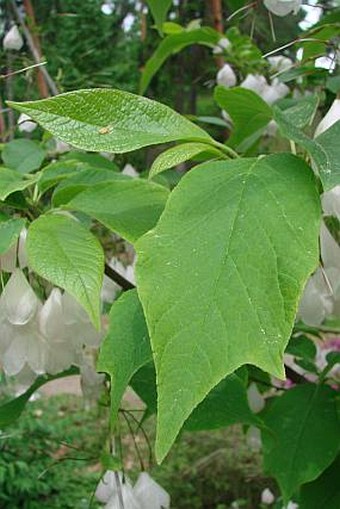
x=280, y=63
x=19, y=300
x=330, y=251
x=107, y=486
x=267, y=497
x=150, y=494
x=331, y=202
x=109, y=290
x=130, y=171
x=13, y=39
x=332, y=116
x=8, y=261
x=316, y=302
x=283, y=7
x=26, y=124
x=14, y=359
x=226, y=76
x=255, y=399
x=254, y=82
x=51, y=320
x=129, y=499
x=22, y=254
x=253, y=438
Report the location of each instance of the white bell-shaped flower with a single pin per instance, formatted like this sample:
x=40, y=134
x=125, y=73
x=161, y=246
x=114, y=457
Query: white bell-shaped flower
x=26, y=124
x=267, y=497
x=8, y=260
x=150, y=494
x=129, y=500
x=107, y=486
x=316, y=302
x=256, y=400
x=330, y=251
x=226, y=76
x=109, y=290
x=254, y=82
x=280, y=63
x=18, y=299
x=79, y=329
x=222, y=45
x=13, y=40
x=91, y=382
x=332, y=116
x=274, y=92
x=331, y=202
x=130, y=171
x=283, y=7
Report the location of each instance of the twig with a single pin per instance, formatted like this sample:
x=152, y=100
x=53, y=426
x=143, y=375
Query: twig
x=118, y=278
x=36, y=56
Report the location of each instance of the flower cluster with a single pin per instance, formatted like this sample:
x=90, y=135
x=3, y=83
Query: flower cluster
x=145, y=494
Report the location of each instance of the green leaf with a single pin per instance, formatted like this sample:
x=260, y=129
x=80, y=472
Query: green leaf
x=173, y=44
x=225, y=405
x=12, y=181
x=221, y=274
x=126, y=346
x=82, y=180
x=249, y=113
x=179, y=154
x=305, y=435
x=303, y=112
x=324, y=149
x=68, y=255
x=11, y=411
x=23, y=155
x=9, y=233
x=324, y=493
x=144, y=384
x=93, y=160
x=56, y=172
x=159, y=10
x=129, y=207
x=302, y=346
x=110, y=120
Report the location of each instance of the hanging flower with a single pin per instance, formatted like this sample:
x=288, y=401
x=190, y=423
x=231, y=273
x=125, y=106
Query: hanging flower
x=316, y=302
x=21, y=341
x=8, y=260
x=254, y=82
x=256, y=401
x=222, y=45
x=149, y=494
x=267, y=497
x=283, y=7
x=79, y=328
x=274, y=92
x=280, y=63
x=331, y=202
x=226, y=76
x=26, y=124
x=13, y=40
x=130, y=171
x=332, y=116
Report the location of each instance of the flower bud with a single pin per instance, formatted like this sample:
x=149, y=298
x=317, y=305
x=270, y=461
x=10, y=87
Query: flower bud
x=13, y=39
x=226, y=76
x=332, y=116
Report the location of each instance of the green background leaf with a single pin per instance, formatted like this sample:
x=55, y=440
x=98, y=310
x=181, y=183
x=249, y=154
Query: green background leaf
x=12, y=181
x=65, y=253
x=126, y=346
x=23, y=155
x=305, y=435
x=324, y=493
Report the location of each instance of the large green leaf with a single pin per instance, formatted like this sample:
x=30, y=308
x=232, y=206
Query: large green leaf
x=62, y=251
x=23, y=155
x=304, y=435
x=303, y=112
x=129, y=207
x=324, y=150
x=110, y=120
x=324, y=493
x=12, y=181
x=249, y=113
x=159, y=10
x=173, y=44
x=126, y=346
x=221, y=274
x=179, y=154
x=9, y=233
x=54, y=173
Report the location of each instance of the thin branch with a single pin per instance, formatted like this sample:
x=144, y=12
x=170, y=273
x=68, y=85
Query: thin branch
x=35, y=53
x=118, y=278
